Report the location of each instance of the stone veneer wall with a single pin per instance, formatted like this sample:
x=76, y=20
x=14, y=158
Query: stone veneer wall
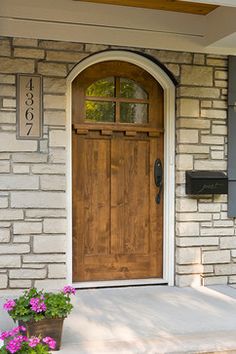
x=32, y=173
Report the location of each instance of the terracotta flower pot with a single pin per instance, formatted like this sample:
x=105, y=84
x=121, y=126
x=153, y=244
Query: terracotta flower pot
x=48, y=327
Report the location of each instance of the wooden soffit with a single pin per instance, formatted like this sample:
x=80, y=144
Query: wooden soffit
x=166, y=5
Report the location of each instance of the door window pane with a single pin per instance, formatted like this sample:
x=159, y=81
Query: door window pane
x=102, y=88
x=99, y=111
x=133, y=113
x=129, y=89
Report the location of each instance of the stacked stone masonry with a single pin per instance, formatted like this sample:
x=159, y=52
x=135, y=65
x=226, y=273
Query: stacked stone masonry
x=33, y=220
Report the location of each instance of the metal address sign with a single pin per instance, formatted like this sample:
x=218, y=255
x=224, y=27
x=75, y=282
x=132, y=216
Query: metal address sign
x=29, y=106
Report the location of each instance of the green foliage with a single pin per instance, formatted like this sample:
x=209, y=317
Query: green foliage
x=26, y=349
x=57, y=305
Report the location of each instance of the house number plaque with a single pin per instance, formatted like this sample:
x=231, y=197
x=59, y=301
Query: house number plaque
x=29, y=106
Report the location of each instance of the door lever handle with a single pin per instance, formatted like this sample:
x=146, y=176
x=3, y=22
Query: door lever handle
x=158, y=176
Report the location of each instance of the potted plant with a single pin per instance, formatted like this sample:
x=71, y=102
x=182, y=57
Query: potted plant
x=15, y=342
x=42, y=313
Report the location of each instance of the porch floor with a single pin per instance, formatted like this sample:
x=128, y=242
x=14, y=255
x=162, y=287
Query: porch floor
x=150, y=319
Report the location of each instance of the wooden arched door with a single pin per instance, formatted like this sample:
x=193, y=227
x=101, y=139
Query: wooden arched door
x=117, y=137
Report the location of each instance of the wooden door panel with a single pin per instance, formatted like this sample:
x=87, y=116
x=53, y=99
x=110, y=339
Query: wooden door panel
x=117, y=224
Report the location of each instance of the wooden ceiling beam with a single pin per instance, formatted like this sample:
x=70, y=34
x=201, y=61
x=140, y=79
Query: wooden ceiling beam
x=166, y=5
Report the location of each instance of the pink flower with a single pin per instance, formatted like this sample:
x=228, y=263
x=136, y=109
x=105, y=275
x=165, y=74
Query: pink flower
x=50, y=342
x=33, y=342
x=15, y=344
x=69, y=290
x=5, y=335
x=9, y=305
x=37, y=305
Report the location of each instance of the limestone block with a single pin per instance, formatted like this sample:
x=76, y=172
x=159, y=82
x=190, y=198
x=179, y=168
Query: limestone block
x=211, y=257
x=57, y=138
x=57, y=271
x=29, y=53
x=44, y=258
x=5, y=48
x=41, y=213
x=4, y=166
x=217, y=231
x=29, y=157
x=95, y=47
x=55, y=118
x=214, y=113
x=23, y=228
x=3, y=202
x=12, y=182
x=186, y=204
x=210, y=165
x=199, y=59
x=49, y=244
x=57, y=226
x=187, y=136
x=209, y=207
x=14, y=249
x=8, y=103
x=187, y=228
x=199, y=92
x=54, y=102
x=184, y=162
x=7, y=117
x=25, y=42
x=52, y=69
x=218, y=280
x=193, y=123
x=219, y=129
x=10, y=261
x=10, y=144
x=7, y=79
x=49, y=169
x=57, y=155
x=20, y=284
x=197, y=241
x=188, y=280
x=21, y=239
x=193, y=216
x=11, y=214
x=225, y=269
x=38, y=200
x=193, y=149
x=228, y=243
x=166, y=56
x=27, y=273
x=3, y=281
x=217, y=155
x=51, y=284
x=7, y=90
x=20, y=168
x=53, y=182
x=217, y=62
x=4, y=235
x=196, y=75
x=65, y=56
x=14, y=66
x=54, y=85
x=223, y=223
x=194, y=269
x=174, y=68
x=59, y=45
x=189, y=107
x=221, y=75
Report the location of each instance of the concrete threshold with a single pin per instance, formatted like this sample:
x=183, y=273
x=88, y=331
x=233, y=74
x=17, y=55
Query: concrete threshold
x=150, y=319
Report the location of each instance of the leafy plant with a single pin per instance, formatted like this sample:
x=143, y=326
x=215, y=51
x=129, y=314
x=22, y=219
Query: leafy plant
x=36, y=305
x=15, y=342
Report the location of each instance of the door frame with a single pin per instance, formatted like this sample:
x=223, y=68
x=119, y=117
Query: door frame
x=169, y=164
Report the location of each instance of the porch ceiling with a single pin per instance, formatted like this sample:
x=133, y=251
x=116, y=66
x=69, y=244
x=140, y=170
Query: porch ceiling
x=166, y=5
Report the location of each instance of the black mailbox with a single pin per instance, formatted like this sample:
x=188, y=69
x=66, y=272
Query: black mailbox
x=206, y=182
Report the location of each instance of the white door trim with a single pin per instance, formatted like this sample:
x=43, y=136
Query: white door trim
x=169, y=163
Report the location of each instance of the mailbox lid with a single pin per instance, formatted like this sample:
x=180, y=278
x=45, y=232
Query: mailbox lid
x=206, y=182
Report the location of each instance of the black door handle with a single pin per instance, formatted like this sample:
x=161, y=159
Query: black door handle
x=158, y=176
